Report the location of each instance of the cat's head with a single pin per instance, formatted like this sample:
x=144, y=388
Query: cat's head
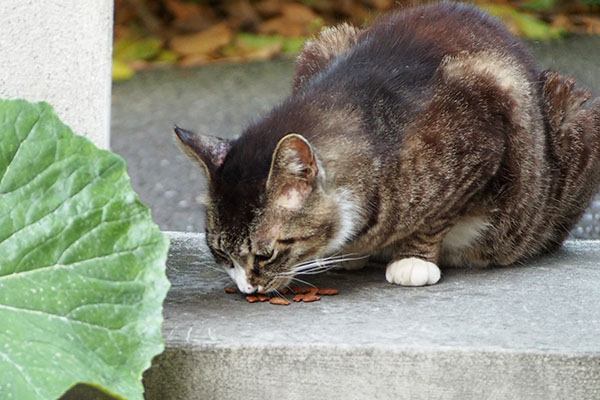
x=267, y=210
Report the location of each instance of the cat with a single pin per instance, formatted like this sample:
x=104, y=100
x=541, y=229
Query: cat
x=430, y=136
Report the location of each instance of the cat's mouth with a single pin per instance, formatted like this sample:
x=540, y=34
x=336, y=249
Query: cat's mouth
x=274, y=284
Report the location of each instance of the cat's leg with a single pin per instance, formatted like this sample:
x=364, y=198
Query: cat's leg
x=415, y=260
x=451, y=155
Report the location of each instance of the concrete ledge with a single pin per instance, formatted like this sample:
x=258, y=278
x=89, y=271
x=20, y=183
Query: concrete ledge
x=528, y=332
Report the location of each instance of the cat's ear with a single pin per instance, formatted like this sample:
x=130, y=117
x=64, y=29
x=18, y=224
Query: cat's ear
x=210, y=151
x=293, y=171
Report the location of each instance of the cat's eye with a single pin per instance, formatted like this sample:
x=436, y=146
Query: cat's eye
x=261, y=258
x=220, y=254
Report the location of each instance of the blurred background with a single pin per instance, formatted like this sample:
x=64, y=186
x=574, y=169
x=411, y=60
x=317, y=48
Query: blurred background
x=214, y=66
x=190, y=33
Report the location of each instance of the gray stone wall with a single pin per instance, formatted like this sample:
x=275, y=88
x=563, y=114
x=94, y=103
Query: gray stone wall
x=59, y=51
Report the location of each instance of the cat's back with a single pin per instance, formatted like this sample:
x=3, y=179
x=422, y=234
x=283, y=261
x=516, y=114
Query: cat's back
x=406, y=47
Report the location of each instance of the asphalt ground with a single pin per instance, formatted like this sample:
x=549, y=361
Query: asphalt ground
x=222, y=99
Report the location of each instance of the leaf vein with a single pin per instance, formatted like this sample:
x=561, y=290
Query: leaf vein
x=19, y=147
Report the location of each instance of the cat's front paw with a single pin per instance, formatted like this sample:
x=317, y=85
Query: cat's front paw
x=412, y=272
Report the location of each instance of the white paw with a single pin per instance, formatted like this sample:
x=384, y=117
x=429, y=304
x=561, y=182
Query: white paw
x=355, y=264
x=412, y=272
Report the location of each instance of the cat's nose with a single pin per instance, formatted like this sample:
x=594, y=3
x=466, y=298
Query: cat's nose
x=246, y=288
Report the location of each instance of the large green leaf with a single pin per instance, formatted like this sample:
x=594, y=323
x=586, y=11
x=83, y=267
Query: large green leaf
x=82, y=265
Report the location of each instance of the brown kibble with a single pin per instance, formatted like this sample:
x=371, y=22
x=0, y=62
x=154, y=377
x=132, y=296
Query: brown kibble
x=298, y=297
x=328, y=292
x=284, y=290
x=262, y=297
x=251, y=299
x=309, y=298
x=230, y=290
x=313, y=291
x=280, y=301
x=302, y=289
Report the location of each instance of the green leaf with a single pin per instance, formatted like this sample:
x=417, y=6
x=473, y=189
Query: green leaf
x=538, y=5
x=167, y=57
x=121, y=71
x=293, y=45
x=82, y=265
x=525, y=24
x=130, y=49
x=258, y=41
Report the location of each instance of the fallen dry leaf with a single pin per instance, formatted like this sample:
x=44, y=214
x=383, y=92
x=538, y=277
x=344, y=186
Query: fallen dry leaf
x=264, y=53
x=380, y=4
x=195, y=60
x=202, y=43
x=194, y=23
x=241, y=14
x=591, y=24
x=182, y=10
x=298, y=13
x=268, y=8
x=281, y=26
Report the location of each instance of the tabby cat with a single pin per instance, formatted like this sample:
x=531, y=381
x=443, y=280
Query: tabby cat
x=430, y=137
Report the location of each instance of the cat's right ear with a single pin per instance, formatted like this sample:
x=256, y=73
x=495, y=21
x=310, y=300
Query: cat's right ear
x=210, y=151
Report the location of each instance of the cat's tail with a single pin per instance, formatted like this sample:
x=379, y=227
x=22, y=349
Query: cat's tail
x=574, y=147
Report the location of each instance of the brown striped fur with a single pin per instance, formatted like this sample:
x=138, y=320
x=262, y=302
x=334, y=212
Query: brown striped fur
x=432, y=129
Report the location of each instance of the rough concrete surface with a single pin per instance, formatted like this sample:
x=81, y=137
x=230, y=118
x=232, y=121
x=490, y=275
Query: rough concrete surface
x=221, y=100
x=523, y=332
x=59, y=51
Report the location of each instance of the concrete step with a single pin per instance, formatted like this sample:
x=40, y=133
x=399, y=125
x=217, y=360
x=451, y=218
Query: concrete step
x=523, y=332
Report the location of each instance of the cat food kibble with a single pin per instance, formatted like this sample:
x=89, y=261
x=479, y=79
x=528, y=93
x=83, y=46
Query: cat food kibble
x=302, y=289
x=309, y=298
x=328, y=292
x=252, y=299
x=298, y=297
x=280, y=301
x=304, y=294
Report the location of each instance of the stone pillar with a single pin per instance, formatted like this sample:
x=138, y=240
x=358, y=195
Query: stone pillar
x=59, y=51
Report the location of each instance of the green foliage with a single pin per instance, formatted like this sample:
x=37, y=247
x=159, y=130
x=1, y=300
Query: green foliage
x=538, y=5
x=258, y=41
x=82, y=265
x=130, y=49
x=527, y=25
x=595, y=3
x=121, y=71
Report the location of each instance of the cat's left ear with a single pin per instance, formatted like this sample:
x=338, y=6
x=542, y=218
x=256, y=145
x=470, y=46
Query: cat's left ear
x=293, y=171
x=210, y=151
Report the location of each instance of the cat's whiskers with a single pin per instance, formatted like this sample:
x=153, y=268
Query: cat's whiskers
x=334, y=258
x=217, y=269
x=321, y=265
x=302, y=282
